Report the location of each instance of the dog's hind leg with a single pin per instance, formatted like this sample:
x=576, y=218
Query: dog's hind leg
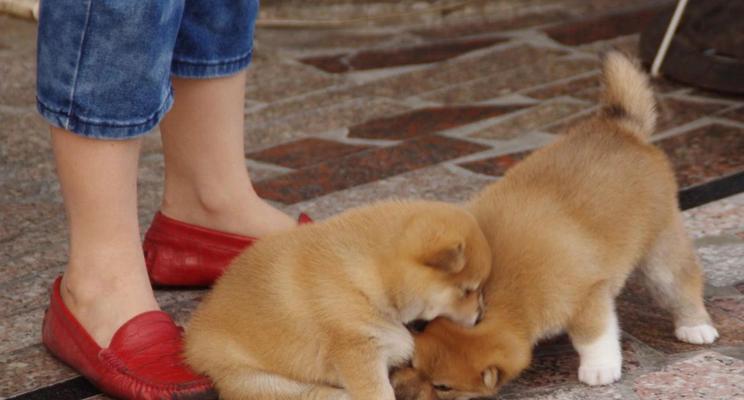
x=253, y=384
x=675, y=277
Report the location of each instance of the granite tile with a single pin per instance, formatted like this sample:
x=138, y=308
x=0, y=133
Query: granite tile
x=30, y=368
x=20, y=330
x=272, y=80
x=18, y=86
x=584, y=87
x=305, y=152
x=675, y=112
x=364, y=167
x=708, y=376
x=25, y=138
x=384, y=58
x=733, y=305
x=721, y=217
x=18, y=35
x=496, y=166
x=532, y=119
x=318, y=120
x=425, y=121
x=472, y=68
x=705, y=153
x=740, y=287
x=430, y=183
x=737, y=114
x=513, y=80
x=643, y=319
x=41, y=256
x=605, y=26
x=482, y=26
x=722, y=259
x=317, y=40
x=556, y=369
x=577, y=392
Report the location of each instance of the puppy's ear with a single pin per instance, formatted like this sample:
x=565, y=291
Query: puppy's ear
x=490, y=377
x=449, y=258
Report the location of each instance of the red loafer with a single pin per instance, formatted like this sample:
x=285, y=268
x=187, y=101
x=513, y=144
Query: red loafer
x=143, y=361
x=181, y=254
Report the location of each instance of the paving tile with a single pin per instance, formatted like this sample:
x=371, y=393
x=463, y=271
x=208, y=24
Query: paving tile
x=431, y=183
x=733, y=305
x=722, y=259
x=586, y=30
x=483, y=27
x=675, y=112
x=20, y=330
x=578, y=392
x=364, y=167
x=305, y=152
x=18, y=35
x=708, y=376
x=532, y=119
x=25, y=138
x=513, y=80
x=736, y=114
x=18, y=84
x=302, y=40
x=318, y=120
x=555, y=369
x=705, y=153
x=459, y=70
x=721, y=217
x=585, y=88
x=383, y=58
x=642, y=318
x=425, y=121
x=270, y=81
x=496, y=166
x=30, y=368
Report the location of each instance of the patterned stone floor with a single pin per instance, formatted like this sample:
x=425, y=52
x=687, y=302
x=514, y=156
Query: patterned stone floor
x=432, y=107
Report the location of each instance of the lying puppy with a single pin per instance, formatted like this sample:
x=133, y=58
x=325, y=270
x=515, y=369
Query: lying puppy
x=318, y=312
x=566, y=227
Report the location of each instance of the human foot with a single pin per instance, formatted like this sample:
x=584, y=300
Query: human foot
x=245, y=214
x=102, y=296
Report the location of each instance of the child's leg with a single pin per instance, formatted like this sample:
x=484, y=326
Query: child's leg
x=596, y=336
x=106, y=283
x=206, y=181
x=675, y=277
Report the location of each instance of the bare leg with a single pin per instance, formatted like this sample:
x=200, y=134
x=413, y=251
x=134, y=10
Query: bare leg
x=206, y=181
x=596, y=336
x=675, y=277
x=105, y=283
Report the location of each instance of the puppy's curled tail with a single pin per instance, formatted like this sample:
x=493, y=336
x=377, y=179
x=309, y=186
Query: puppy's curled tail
x=627, y=97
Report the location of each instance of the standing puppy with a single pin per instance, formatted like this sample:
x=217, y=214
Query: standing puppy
x=318, y=312
x=566, y=227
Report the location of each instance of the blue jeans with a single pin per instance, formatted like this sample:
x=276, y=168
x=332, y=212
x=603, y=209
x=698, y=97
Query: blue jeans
x=104, y=66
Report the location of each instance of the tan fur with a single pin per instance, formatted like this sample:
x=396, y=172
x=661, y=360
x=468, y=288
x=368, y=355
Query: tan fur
x=318, y=312
x=566, y=227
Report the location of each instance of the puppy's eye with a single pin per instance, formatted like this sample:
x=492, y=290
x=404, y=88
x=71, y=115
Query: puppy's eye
x=442, y=388
x=467, y=292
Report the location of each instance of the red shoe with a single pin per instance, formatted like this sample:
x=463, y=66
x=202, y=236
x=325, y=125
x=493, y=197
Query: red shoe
x=143, y=361
x=181, y=254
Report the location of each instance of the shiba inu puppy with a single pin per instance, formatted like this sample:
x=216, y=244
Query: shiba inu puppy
x=566, y=227
x=318, y=312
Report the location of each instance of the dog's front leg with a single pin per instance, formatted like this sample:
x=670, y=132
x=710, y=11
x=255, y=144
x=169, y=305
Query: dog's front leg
x=363, y=369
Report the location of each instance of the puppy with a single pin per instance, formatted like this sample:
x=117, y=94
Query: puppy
x=566, y=227
x=318, y=312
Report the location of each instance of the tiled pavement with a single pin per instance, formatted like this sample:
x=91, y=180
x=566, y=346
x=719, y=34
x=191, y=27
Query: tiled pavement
x=432, y=107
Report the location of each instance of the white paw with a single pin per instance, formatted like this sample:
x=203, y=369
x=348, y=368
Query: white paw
x=600, y=375
x=698, y=334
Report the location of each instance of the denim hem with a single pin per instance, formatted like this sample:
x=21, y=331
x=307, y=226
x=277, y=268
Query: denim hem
x=103, y=129
x=209, y=69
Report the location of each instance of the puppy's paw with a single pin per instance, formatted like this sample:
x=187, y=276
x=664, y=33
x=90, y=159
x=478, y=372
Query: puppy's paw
x=698, y=334
x=410, y=385
x=600, y=374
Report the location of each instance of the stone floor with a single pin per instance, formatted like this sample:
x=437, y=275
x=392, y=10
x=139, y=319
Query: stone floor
x=429, y=106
